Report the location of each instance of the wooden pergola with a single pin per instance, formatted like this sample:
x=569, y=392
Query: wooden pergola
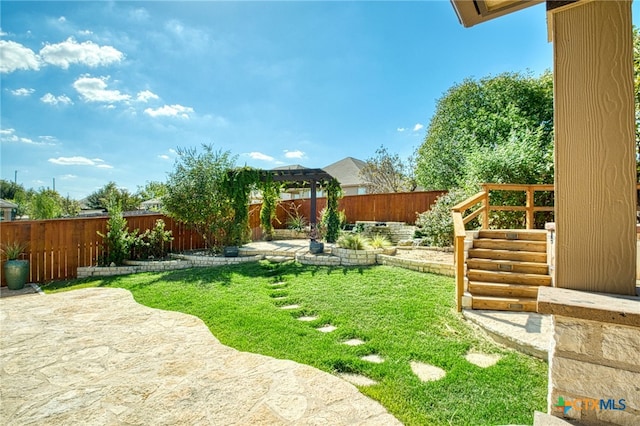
x=301, y=178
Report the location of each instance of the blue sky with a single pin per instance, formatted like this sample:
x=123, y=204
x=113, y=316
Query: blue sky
x=94, y=92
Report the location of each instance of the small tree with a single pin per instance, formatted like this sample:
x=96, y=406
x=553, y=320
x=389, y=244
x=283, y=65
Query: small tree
x=436, y=225
x=197, y=194
x=388, y=173
x=117, y=240
x=45, y=204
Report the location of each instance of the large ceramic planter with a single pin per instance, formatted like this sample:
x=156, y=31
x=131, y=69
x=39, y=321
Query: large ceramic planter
x=316, y=247
x=231, y=251
x=16, y=273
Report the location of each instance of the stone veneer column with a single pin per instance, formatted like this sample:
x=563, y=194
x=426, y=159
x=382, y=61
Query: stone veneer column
x=595, y=355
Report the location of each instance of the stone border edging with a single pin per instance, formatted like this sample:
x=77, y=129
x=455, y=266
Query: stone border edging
x=337, y=257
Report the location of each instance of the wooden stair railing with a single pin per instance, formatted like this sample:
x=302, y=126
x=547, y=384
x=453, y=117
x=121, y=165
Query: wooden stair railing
x=479, y=203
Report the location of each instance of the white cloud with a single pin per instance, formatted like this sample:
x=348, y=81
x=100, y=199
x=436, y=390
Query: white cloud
x=2, y=33
x=56, y=100
x=173, y=151
x=62, y=19
x=417, y=127
x=68, y=177
x=23, y=91
x=164, y=157
x=94, y=89
x=87, y=53
x=10, y=136
x=401, y=129
x=293, y=154
x=145, y=95
x=170, y=111
x=80, y=161
x=260, y=156
x=14, y=56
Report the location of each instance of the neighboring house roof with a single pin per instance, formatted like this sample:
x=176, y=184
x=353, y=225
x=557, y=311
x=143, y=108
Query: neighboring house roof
x=290, y=167
x=4, y=204
x=347, y=171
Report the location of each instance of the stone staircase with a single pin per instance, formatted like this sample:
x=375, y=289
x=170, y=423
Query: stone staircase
x=505, y=268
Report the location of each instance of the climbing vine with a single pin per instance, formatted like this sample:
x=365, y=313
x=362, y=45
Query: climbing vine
x=270, y=195
x=331, y=218
x=239, y=184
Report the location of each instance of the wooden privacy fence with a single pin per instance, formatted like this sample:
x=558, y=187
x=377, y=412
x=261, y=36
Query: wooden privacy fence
x=392, y=207
x=56, y=248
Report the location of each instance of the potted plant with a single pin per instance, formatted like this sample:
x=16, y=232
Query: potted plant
x=16, y=271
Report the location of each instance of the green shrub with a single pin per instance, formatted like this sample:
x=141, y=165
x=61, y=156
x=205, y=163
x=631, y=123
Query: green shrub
x=436, y=225
x=352, y=241
x=152, y=244
x=118, y=240
x=379, y=241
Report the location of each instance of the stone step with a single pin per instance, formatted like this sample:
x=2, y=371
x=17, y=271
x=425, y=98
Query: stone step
x=504, y=244
x=525, y=256
x=508, y=277
x=479, y=288
x=520, y=304
x=508, y=266
x=514, y=234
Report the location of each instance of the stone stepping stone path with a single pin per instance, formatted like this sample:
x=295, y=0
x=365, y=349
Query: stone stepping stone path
x=278, y=284
x=289, y=307
x=307, y=318
x=374, y=358
x=279, y=297
x=426, y=372
x=353, y=342
x=327, y=328
x=483, y=360
x=357, y=379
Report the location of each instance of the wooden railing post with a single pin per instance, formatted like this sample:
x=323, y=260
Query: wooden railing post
x=529, y=206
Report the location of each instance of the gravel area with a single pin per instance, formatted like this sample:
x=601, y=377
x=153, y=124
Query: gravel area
x=427, y=254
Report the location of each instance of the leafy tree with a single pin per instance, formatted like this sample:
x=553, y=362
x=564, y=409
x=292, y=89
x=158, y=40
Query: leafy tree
x=385, y=173
x=270, y=197
x=110, y=193
x=70, y=207
x=118, y=239
x=436, y=225
x=151, y=190
x=476, y=117
x=15, y=193
x=196, y=193
x=45, y=204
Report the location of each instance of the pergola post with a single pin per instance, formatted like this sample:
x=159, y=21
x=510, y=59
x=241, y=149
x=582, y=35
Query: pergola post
x=313, y=227
x=595, y=176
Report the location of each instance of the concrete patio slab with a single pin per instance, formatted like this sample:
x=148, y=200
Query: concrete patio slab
x=95, y=356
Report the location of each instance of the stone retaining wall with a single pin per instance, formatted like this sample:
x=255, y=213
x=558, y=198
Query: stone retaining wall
x=417, y=265
x=594, y=363
x=183, y=262
x=356, y=257
x=394, y=231
x=337, y=257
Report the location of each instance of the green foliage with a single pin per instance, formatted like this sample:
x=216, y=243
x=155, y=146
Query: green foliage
x=117, y=241
x=436, y=225
x=45, y=204
x=475, y=117
x=239, y=183
x=352, y=241
x=523, y=158
x=270, y=197
x=13, y=250
x=110, y=194
x=386, y=173
x=379, y=241
x=331, y=219
x=152, y=244
x=152, y=190
x=295, y=220
x=197, y=194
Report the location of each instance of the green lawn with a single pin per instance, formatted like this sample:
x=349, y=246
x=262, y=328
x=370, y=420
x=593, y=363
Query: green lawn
x=402, y=316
